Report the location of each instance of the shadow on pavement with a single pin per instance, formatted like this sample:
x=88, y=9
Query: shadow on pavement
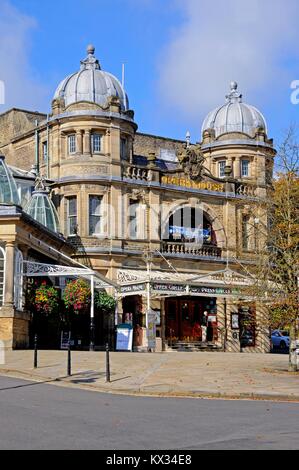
x=31, y=384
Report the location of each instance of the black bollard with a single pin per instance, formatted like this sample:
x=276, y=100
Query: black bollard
x=69, y=358
x=35, y=352
x=107, y=364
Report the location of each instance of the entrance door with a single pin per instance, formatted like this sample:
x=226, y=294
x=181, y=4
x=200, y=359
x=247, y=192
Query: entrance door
x=172, y=323
x=186, y=320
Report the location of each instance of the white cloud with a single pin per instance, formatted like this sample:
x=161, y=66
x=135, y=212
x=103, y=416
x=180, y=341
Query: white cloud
x=22, y=86
x=220, y=41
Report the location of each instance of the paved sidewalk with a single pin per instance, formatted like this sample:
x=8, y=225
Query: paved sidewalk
x=259, y=376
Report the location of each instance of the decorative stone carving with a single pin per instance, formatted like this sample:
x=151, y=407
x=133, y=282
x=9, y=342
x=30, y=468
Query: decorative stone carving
x=138, y=195
x=192, y=161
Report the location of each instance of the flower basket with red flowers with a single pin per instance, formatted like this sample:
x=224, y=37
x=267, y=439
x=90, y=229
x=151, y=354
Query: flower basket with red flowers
x=77, y=295
x=46, y=299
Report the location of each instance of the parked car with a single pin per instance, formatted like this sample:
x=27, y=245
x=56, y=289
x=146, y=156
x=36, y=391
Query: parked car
x=247, y=339
x=280, y=339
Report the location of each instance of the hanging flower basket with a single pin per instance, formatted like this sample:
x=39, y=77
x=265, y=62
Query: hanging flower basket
x=77, y=295
x=46, y=299
x=104, y=302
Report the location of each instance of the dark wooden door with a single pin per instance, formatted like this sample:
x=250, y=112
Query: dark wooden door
x=172, y=323
x=186, y=319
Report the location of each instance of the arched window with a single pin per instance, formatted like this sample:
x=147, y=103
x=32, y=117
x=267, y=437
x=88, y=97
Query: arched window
x=18, y=280
x=2, y=268
x=189, y=224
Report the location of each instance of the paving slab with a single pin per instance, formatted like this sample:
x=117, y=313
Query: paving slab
x=204, y=374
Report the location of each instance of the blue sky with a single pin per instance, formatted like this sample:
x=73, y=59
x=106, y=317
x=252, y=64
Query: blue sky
x=180, y=55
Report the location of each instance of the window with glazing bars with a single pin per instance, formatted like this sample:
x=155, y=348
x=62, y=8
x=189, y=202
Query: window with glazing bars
x=72, y=220
x=245, y=168
x=45, y=150
x=95, y=215
x=96, y=140
x=123, y=149
x=72, y=143
x=221, y=168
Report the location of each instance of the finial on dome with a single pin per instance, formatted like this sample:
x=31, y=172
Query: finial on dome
x=233, y=86
x=188, y=138
x=91, y=49
x=91, y=62
x=234, y=95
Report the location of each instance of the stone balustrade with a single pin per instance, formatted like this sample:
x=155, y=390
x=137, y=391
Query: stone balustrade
x=137, y=173
x=177, y=248
x=246, y=190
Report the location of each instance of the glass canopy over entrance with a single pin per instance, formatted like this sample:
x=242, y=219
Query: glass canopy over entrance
x=8, y=187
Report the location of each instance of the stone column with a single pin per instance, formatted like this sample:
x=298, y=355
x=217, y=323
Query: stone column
x=87, y=142
x=9, y=274
x=237, y=168
x=79, y=142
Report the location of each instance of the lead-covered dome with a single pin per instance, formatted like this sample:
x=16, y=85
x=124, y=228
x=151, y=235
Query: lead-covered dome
x=91, y=84
x=235, y=116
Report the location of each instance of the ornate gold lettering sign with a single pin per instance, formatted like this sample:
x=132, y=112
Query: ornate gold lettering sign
x=185, y=183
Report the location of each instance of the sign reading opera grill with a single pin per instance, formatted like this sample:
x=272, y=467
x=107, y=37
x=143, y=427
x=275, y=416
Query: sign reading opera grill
x=167, y=288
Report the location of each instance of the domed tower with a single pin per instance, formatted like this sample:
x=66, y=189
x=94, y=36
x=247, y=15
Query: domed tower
x=235, y=135
x=92, y=85
x=89, y=141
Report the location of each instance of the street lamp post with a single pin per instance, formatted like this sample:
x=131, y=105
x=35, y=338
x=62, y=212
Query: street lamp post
x=148, y=260
x=92, y=326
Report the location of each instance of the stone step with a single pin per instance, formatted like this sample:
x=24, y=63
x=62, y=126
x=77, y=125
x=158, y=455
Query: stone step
x=196, y=346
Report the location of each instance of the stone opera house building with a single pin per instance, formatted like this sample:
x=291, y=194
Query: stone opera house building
x=167, y=227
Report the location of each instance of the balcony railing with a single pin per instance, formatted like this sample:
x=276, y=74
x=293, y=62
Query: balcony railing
x=137, y=173
x=180, y=248
x=246, y=190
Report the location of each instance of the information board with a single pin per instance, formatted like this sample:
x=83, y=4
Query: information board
x=151, y=332
x=64, y=341
x=124, y=337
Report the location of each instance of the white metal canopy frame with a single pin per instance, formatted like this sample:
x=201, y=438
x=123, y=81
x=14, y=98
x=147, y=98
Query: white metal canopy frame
x=97, y=281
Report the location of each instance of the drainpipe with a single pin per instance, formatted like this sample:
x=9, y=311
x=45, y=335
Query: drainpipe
x=36, y=148
x=48, y=147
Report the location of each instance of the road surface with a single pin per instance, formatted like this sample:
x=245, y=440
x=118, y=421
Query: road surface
x=45, y=416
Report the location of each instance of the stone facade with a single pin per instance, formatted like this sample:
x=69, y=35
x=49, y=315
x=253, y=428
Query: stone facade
x=129, y=168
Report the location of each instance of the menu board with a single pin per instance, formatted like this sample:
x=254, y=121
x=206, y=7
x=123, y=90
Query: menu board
x=124, y=337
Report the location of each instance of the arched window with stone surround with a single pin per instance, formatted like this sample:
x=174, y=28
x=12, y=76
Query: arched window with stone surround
x=2, y=270
x=190, y=224
x=18, y=280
